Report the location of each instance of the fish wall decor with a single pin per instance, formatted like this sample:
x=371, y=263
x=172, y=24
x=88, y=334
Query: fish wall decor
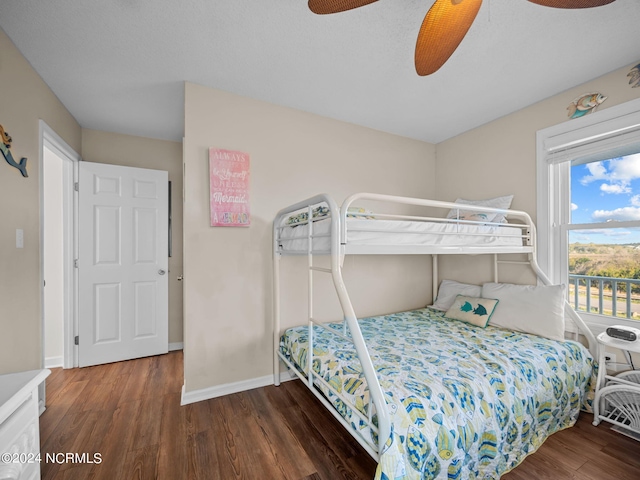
x=5, y=146
x=585, y=104
x=634, y=76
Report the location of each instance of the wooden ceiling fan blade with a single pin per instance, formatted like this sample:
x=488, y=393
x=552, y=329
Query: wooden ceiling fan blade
x=322, y=7
x=446, y=24
x=572, y=3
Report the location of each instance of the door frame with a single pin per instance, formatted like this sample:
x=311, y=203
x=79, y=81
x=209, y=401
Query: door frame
x=51, y=140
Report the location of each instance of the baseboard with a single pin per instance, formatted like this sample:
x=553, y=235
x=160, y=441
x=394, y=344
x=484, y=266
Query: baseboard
x=176, y=346
x=229, y=388
x=287, y=375
x=53, y=362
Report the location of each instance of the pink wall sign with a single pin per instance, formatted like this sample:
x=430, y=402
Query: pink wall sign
x=229, y=188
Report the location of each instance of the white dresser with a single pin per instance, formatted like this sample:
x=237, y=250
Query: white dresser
x=19, y=427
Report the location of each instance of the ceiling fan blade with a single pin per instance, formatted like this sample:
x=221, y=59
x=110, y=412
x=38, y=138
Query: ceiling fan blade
x=322, y=7
x=446, y=24
x=572, y=3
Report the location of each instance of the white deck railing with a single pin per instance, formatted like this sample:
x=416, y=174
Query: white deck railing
x=610, y=299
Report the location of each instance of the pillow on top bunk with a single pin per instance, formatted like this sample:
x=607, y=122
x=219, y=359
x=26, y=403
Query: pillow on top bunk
x=498, y=202
x=528, y=308
x=448, y=291
x=303, y=216
x=323, y=211
x=476, y=311
x=360, y=212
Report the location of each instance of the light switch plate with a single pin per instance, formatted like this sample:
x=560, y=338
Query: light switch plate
x=19, y=238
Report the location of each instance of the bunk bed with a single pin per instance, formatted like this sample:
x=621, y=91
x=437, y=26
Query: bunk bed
x=427, y=396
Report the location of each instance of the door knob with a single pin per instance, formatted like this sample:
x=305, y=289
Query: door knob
x=161, y=272
x=180, y=277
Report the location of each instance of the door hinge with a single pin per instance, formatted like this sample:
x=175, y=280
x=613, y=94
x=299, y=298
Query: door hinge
x=76, y=187
x=76, y=340
x=75, y=263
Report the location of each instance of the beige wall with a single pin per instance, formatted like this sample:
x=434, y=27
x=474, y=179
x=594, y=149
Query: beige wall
x=499, y=158
x=25, y=100
x=130, y=151
x=294, y=155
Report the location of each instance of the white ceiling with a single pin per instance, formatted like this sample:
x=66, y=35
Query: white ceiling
x=119, y=65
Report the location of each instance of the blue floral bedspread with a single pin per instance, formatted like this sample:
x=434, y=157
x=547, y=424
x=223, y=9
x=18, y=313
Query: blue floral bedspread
x=465, y=402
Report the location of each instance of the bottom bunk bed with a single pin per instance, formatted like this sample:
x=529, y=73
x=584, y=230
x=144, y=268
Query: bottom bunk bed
x=427, y=396
x=465, y=402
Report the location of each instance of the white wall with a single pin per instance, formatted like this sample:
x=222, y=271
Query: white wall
x=228, y=271
x=53, y=260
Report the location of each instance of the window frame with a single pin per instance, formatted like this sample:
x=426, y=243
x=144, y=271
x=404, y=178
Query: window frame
x=556, y=147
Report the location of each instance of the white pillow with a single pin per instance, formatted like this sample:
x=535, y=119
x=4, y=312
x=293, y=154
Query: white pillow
x=528, y=308
x=448, y=291
x=498, y=202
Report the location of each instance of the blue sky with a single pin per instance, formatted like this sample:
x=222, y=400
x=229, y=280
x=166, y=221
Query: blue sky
x=606, y=191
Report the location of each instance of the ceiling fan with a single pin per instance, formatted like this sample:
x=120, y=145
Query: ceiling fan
x=445, y=25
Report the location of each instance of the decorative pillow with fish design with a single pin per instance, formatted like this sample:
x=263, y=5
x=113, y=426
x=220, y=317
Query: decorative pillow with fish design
x=498, y=202
x=360, y=212
x=322, y=211
x=477, y=216
x=476, y=311
x=302, y=217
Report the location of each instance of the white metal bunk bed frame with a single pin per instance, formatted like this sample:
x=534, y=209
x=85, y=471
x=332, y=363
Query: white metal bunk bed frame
x=339, y=247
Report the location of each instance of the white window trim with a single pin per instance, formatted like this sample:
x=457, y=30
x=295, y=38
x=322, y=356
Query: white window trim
x=600, y=131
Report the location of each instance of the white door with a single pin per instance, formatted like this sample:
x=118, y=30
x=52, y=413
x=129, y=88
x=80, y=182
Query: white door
x=122, y=263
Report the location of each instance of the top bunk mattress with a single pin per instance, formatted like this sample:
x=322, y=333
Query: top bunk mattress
x=398, y=233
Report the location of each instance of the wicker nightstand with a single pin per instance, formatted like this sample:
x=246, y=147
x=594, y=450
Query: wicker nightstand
x=617, y=399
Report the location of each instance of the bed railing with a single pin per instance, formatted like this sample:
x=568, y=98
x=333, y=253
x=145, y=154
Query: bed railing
x=522, y=217
x=375, y=390
x=456, y=227
x=338, y=247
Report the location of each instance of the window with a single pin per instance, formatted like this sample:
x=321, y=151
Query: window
x=604, y=237
x=589, y=213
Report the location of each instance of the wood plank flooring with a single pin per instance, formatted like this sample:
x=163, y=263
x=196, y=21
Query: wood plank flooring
x=130, y=414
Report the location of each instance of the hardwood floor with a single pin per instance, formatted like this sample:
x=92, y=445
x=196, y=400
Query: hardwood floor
x=129, y=413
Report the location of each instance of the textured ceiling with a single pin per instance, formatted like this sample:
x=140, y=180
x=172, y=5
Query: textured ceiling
x=119, y=65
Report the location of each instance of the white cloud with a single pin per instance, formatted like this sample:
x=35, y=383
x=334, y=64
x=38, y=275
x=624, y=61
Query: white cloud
x=574, y=206
x=635, y=201
x=615, y=188
x=625, y=169
x=618, y=172
x=619, y=214
x=616, y=233
x=595, y=235
x=580, y=238
x=597, y=171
